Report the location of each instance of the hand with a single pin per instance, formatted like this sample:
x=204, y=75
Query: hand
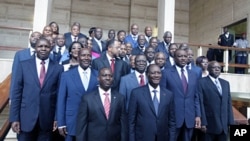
x=204, y=129
x=54, y=126
x=63, y=131
x=197, y=122
x=15, y=126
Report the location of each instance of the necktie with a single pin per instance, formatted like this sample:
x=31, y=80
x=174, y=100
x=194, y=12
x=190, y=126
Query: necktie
x=106, y=105
x=112, y=65
x=85, y=80
x=74, y=39
x=184, y=81
x=134, y=38
x=142, y=82
x=218, y=86
x=155, y=102
x=42, y=73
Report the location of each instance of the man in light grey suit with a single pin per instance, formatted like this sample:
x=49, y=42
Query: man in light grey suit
x=134, y=80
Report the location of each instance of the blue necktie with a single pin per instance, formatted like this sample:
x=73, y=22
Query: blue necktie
x=218, y=86
x=184, y=81
x=156, y=102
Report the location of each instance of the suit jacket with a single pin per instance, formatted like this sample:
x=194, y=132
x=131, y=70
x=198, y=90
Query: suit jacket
x=29, y=101
x=121, y=68
x=197, y=70
x=144, y=124
x=137, y=51
x=68, y=39
x=129, y=39
x=127, y=84
x=162, y=48
x=60, y=58
x=19, y=56
x=187, y=106
x=96, y=47
x=69, y=97
x=226, y=41
x=92, y=124
x=216, y=109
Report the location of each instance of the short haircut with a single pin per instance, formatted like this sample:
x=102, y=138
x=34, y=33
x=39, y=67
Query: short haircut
x=120, y=31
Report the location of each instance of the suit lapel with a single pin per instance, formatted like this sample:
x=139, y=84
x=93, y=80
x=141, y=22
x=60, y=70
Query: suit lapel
x=149, y=99
x=134, y=81
x=33, y=70
x=177, y=78
x=77, y=80
x=99, y=103
x=213, y=86
x=105, y=60
x=162, y=101
x=112, y=104
x=92, y=79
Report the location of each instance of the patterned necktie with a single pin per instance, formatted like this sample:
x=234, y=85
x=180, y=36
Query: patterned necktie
x=112, y=65
x=184, y=81
x=218, y=86
x=106, y=105
x=59, y=54
x=142, y=82
x=156, y=102
x=42, y=73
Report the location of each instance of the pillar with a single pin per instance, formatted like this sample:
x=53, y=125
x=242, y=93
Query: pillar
x=165, y=21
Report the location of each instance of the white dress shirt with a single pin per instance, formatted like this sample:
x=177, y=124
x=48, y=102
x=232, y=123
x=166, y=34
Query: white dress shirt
x=137, y=74
x=99, y=42
x=74, y=38
x=83, y=79
x=39, y=65
x=152, y=93
x=102, y=96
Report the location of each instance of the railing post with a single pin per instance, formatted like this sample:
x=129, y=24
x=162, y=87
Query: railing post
x=199, y=51
x=225, y=61
x=248, y=62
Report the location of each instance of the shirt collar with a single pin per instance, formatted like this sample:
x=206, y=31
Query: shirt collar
x=213, y=79
x=151, y=88
x=39, y=60
x=80, y=70
x=101, y=91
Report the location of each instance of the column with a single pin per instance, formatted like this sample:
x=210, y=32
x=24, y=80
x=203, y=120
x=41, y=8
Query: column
x=42, y=12
x=165, y=22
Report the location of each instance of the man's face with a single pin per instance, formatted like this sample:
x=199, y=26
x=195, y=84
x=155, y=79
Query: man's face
x=214, y=70
x=134, y=29
x=150, y=54
x=115, y=50
x=123, y=50
x=154, y=75
x=132, y=61
x=180, y=58
x=128, y=48
x=98, y=33
x=160, y=60
x=148, y=31
x=43, y=49
x=172, y=49
x=167, y=37
x=141, y=40
x=84, y=58
x=190, y=56
x=105, y=79
x=121, y=36
x=140, y=63
x=83, y=41
x=60, y=40
x=75, y=30
x=33, y=38
x=154, y=43
x=47, y=31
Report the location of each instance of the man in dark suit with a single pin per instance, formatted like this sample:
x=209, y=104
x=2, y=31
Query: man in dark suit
x=73, y=35
x=170, y=60
x=109, y=59
x=102, y=115
x=148, y=34
x=151, y=110
x=98, y=46
x=32, y=111
x=73, y=85
x=133, y=36
x=135, y=79
x=190, y=63
x=141, y=45
x=163, y=46
x=22, y=55
x=183, y=84
x=216, y=105
x=225, y=39
x=60, y=52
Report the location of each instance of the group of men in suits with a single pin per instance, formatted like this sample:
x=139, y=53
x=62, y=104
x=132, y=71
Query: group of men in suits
x=101, y=100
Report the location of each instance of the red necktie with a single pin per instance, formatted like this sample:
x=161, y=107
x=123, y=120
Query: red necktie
x=112, y=65
x=42, y=73
x=184, y=81
x=142, y=82
x=106, y=105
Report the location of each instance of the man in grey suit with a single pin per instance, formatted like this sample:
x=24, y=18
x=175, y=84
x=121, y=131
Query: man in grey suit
x=135, y=79
x=216, y=106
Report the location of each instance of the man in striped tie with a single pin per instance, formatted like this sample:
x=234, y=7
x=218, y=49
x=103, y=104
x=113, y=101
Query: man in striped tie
x=102, y=115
